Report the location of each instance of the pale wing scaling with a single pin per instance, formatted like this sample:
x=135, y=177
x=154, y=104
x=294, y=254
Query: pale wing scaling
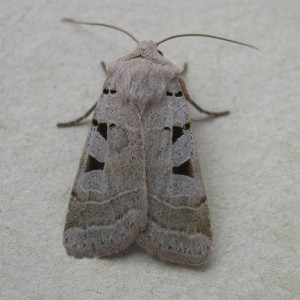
x=139, y=177
x=178, y=226
x=108, y=205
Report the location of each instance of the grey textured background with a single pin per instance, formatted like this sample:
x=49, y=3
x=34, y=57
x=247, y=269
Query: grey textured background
x=51, y=72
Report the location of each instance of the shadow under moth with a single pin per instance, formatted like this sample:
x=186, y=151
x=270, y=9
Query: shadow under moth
x=139, y=178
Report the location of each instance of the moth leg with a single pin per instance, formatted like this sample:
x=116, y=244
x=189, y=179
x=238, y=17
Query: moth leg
x=184, y=69
x=209, y=113
x=188, y=97
x=78, y=120
x=103, y=65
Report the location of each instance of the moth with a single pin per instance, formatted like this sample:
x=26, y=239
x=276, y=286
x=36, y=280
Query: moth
x=139, y=178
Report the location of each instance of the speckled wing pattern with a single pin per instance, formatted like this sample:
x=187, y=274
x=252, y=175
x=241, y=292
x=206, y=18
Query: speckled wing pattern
x=108, y=205
x=178, y=226
x=139, y=177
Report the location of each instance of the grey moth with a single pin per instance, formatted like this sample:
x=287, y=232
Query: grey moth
x=139, y=178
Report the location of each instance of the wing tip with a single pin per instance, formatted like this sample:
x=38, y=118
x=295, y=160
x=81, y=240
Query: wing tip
x=191, y=256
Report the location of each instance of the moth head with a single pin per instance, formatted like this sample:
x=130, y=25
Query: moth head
x=148, y=48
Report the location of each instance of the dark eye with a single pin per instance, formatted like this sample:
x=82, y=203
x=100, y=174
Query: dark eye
x=160, y=52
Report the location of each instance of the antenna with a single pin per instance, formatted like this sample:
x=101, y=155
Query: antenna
x=101, y=24
x=203, y=35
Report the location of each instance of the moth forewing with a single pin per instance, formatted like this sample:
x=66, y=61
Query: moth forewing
x=108, y=203
x=178, y=227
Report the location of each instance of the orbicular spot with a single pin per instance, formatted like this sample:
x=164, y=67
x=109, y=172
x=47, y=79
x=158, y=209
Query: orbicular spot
x=95, y=122
x=113, y=91
x=203, y=199
x=160, y=52
x=167, y=128
x=105, y=91
x=74, y=194
x=102, y=129
x=184, y=169
x=177, y=133
x=169, y=93
x=187, y=126
x=93, y=164
x=112, y=125
x=178, y=94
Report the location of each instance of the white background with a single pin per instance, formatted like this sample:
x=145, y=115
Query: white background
x=50, y=71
